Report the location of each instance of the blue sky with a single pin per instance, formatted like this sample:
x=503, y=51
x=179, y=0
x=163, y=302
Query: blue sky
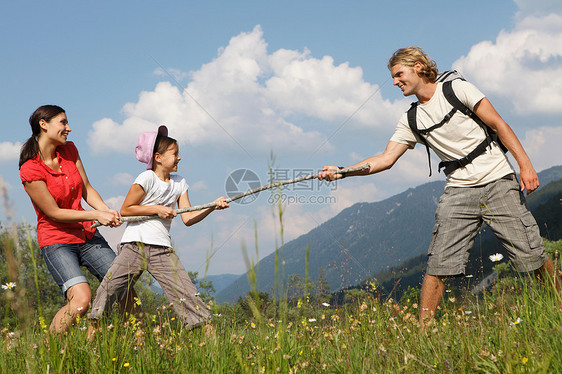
x=236, y=82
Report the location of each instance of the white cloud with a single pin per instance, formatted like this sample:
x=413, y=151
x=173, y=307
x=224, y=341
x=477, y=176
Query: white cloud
x=523, y=65
x=9, y=151
x=543, y=146
x=198, y=186
x=538, y=7
x=115, y=202
x=413, y=168
x=246, y=98
x=318, y=88
x=122, y=179
x=175, y=74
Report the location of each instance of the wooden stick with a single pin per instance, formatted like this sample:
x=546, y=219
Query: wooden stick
x=239, y=196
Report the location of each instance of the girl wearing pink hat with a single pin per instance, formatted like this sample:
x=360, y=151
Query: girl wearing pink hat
x=147, y=245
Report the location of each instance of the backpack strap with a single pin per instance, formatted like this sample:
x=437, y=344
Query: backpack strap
x=450, y=166
x=412, y=122
x=491, y=135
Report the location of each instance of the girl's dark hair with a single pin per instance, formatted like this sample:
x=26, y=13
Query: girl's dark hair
x=31, y=147
x=161, y=145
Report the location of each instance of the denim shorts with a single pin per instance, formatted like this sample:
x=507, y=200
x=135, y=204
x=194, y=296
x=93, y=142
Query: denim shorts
x=460, y=215
x=64, y=260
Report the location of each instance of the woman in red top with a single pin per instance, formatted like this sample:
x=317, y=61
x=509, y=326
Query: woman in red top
x=54, y=178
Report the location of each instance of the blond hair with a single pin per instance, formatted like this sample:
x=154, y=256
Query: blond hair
x=409, y=56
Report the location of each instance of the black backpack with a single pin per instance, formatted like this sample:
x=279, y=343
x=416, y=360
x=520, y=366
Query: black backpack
x=447, y=78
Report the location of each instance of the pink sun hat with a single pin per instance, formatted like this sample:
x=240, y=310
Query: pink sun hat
x=145, y=145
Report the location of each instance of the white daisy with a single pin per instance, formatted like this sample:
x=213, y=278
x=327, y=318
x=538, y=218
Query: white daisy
x=496, y=257
x=9, y=285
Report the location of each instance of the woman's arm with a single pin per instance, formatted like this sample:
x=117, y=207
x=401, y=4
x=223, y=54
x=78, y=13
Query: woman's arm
x=42, y=198
x=191, y=218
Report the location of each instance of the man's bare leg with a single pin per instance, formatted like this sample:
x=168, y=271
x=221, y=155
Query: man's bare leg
x=431, y=294
x=548, y=273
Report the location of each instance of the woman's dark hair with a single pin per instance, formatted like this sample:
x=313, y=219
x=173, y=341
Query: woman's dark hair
x=161, y=145
x=31, y=147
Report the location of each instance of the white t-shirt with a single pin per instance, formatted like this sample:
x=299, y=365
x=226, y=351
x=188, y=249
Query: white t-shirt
x=456, y=138
x=157, y=192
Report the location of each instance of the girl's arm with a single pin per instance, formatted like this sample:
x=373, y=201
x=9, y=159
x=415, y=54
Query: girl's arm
x=131, y=205
x=91, y=196
x=191, y=218
x=42, y=198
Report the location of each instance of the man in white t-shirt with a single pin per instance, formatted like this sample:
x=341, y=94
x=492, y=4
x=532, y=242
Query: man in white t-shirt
x=483, y=191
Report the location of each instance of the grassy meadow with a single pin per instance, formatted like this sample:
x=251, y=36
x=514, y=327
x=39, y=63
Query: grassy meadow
x=513, y=327
x=510, y=329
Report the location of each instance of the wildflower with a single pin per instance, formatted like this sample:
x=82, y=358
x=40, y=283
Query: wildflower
x=524, y=360
x=126, y=365
x=137, y=301
x=253, y=325
x=196, y=294
x=182, y=300
x=114, y=359
x=42, y=324
x=447, y=291
x=79, y=308
x=326, y=304
x=299, y=303
x=9, y=285
x=467, y=312
x=312, y=320
x=452, y=299
x=516, y=322
x=496, y=257
x=469, y=276
x=363, y=307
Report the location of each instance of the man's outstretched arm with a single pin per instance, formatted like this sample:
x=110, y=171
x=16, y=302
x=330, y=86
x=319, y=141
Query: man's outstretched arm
x=376, y=164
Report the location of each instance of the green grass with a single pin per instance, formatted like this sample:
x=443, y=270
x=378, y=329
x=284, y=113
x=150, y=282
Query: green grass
x=513, y=328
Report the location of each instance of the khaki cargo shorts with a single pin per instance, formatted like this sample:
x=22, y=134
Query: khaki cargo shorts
x=459, y=217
